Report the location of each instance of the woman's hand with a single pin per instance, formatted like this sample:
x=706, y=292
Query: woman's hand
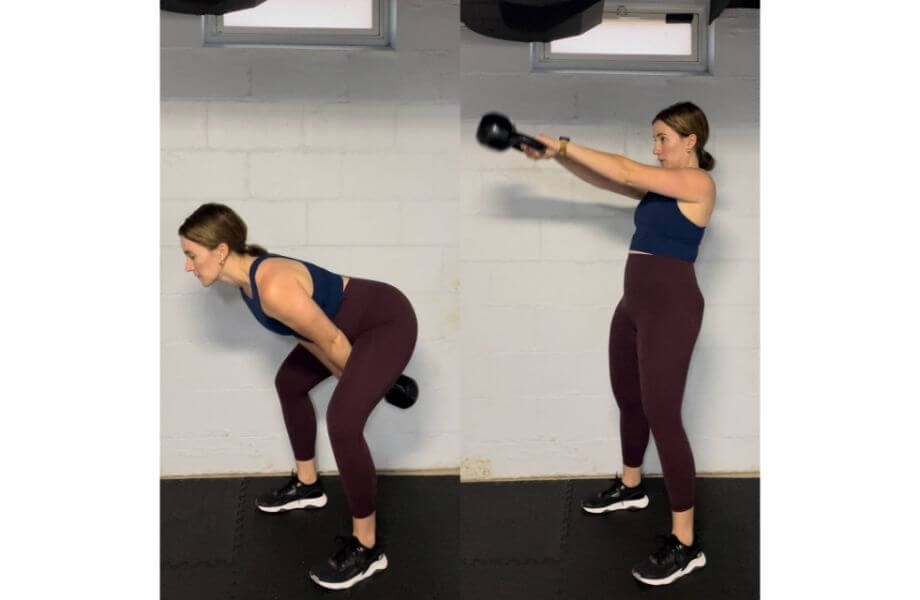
x=552, y=148
x=323, y=358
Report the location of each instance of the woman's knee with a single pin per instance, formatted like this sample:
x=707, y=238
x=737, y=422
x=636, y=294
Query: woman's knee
x=343, y=431
x=287, y=384
x=663, y=418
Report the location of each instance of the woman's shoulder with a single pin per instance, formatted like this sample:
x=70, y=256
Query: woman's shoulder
x=701, y=184
x=277, y=270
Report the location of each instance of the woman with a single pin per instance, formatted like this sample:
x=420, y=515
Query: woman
x=655, y=324
x=362, y=332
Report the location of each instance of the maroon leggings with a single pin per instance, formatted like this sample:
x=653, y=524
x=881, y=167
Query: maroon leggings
x=380, y=324
x=652, y=335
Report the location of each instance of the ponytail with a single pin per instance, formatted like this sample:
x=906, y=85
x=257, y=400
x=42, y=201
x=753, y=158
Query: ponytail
x=707, y=162
x=254, y=250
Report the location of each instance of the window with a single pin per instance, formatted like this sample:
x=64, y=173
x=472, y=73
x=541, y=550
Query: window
x=303, y=23
x=634, y=37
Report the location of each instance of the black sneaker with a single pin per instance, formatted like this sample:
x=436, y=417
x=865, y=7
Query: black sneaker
x=670, y=562
x=292, y=495
x=616, y=497
x=350, y=564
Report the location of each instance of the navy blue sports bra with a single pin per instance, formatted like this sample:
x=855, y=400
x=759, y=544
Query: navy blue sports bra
x=327, y=293
x=663, y=230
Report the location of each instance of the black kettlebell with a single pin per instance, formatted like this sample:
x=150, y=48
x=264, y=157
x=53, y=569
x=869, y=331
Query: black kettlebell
x=404, y=392
x=497, y=132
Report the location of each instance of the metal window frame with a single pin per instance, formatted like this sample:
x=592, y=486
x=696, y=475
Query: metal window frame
x=698, y=63
x=380, y=34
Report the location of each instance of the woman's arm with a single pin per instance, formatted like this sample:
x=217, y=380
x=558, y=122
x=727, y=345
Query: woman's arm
x=688, y=185
x=596, y=180
x=285, y=299
x=321, y=356
x=581, y=171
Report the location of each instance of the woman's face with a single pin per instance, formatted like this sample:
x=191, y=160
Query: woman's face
x=204, y=263
x=672, y=150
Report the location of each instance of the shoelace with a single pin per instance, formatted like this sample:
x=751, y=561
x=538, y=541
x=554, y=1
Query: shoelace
x=615, y=484
x=669, y=545
x=348, y=547
x=290, y=485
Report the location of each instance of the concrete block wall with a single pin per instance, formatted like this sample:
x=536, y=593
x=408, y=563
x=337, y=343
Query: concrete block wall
x=542, y=257
x=363, y=160
x=346, y=158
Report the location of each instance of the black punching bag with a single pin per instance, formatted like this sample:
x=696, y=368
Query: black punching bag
x=531, y=20
x=207, y=7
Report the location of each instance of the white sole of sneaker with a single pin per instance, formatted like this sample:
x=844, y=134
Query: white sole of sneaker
x=696, y=563
x=318, y=502
x=624, y=505
x=378, y=565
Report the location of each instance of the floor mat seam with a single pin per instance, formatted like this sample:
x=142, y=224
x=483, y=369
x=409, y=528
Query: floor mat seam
x=236, y=568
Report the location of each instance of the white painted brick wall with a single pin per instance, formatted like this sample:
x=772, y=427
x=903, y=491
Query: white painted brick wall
x=542, y=258
x=254, y=125
x=396, y=77
x=204, y=175
x=371, y=127
x=483, y=238
x=308, y=76
x=440, y=18
x=364, y=162
x=346, y=158
x=295, y=175
x=480, y=54
x=205, y=72
x=183, y=125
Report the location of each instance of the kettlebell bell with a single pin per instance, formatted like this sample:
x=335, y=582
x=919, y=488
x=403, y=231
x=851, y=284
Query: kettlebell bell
x=497, y=132
x=404, y=392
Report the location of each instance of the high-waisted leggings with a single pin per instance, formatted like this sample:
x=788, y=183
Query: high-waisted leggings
x=380, y=323
x=652, y=334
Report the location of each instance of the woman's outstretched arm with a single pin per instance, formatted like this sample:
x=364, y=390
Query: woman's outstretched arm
x=687, y=184
x=597, y=180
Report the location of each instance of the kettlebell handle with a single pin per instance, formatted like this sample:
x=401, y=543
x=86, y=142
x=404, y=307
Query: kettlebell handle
x=519, y=139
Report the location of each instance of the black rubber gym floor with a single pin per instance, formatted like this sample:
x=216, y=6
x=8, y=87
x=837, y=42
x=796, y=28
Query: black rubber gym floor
x=515, y=540
x=532, y=541
x=215, y=544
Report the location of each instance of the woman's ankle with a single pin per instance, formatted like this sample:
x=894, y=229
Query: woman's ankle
x=306, y=471
x=367, y=540
x=306, y=479
x=685, y=538
x=631, y=477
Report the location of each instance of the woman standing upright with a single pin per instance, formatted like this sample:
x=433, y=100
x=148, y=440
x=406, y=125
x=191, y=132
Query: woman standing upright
x=362, y=332
x=656, y=323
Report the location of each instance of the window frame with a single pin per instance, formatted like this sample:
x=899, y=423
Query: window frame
x=381, y=33
x=698, y=63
